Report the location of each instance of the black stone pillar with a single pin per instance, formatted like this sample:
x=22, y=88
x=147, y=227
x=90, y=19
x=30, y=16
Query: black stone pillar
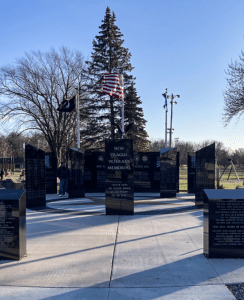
x=94, y=174
x=146, y=172
x=156, y=173
x=12, y=224
x=101, y=171
x=223, y=228
x=119, y=186
x=143, y=170
x=35, y=177
x=191, y=172
x=76, y=187
x=51, y=173
x=168, y=169
x=205, y=172
x=90, y=172
x=178, y=172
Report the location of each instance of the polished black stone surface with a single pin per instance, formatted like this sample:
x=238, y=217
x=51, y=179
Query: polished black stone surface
x=119, y=185
x=168, y=169
x=205, y=172
x=51, y=163
x=12, y=224
x=223, y=223
x=178, y=172
x=146, y=172
x=76, y=187
x=35, y=177
x=8, y=184
x=191, y=172
x=94, y=174
x=101, y=172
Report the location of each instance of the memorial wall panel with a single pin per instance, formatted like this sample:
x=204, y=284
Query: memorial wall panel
x=119, y=185
x=178, y=172
x=223, y=223
x=90, y=171
x=76, y=181
x=12, y=224
x=94, y=174
x=191, y=172
x=168, y=169
x=205, y=172
x=146, y=172
x=51, y=173
x=35, y=177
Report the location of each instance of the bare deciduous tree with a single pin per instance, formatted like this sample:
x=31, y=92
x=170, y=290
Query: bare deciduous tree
x=156, y=145
x=34, y=87
x=234, y=93
x=222, y=154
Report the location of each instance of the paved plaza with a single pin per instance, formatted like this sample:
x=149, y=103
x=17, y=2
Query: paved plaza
x=75, y=251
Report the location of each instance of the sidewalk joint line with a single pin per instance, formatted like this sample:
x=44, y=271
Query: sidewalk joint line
x=208, y=260
x=114, y=253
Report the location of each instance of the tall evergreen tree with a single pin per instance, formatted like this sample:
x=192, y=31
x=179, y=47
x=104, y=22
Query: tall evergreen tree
x=134, y=114
x=110, y=56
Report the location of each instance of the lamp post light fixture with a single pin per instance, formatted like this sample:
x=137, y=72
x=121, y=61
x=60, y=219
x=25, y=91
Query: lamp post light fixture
x=166, y=97
x=170, y=130
x=171, y=118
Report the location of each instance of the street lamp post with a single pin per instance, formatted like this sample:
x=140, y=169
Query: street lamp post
x=171, y=118
x=166, y=111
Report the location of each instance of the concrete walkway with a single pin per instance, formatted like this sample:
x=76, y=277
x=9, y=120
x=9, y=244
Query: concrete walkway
x=94, y=256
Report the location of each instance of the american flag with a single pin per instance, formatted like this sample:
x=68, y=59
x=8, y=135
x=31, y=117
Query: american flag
x=111, y=85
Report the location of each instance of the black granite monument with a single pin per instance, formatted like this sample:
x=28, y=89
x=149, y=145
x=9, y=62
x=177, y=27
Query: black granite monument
x=223, y=223
x=146, y=172
x=76, y=181
x=8, y=184
x=90, y=171
x=178, y=172
x=205, y=172
x=12, y=224
x=94, y=174
x=119, y=186
x=35, y=177
x=191, y=172
x=101, y=172
x=168, y=169
x=51, y=173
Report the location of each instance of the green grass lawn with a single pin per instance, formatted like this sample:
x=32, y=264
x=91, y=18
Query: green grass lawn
x=232, y=183
x=226, y=184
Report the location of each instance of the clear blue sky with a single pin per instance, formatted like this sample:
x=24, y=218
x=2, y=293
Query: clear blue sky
x=182, y=45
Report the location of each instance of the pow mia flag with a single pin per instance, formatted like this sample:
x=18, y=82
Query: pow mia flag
x=67, y=105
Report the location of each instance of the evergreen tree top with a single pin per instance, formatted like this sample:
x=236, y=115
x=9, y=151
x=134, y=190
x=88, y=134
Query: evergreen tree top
x=109, y=44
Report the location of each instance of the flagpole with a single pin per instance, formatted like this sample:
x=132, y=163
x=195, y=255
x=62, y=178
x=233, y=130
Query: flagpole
x=122, y=105
x=165, y=128
x=171, y=117
x=78, y=114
